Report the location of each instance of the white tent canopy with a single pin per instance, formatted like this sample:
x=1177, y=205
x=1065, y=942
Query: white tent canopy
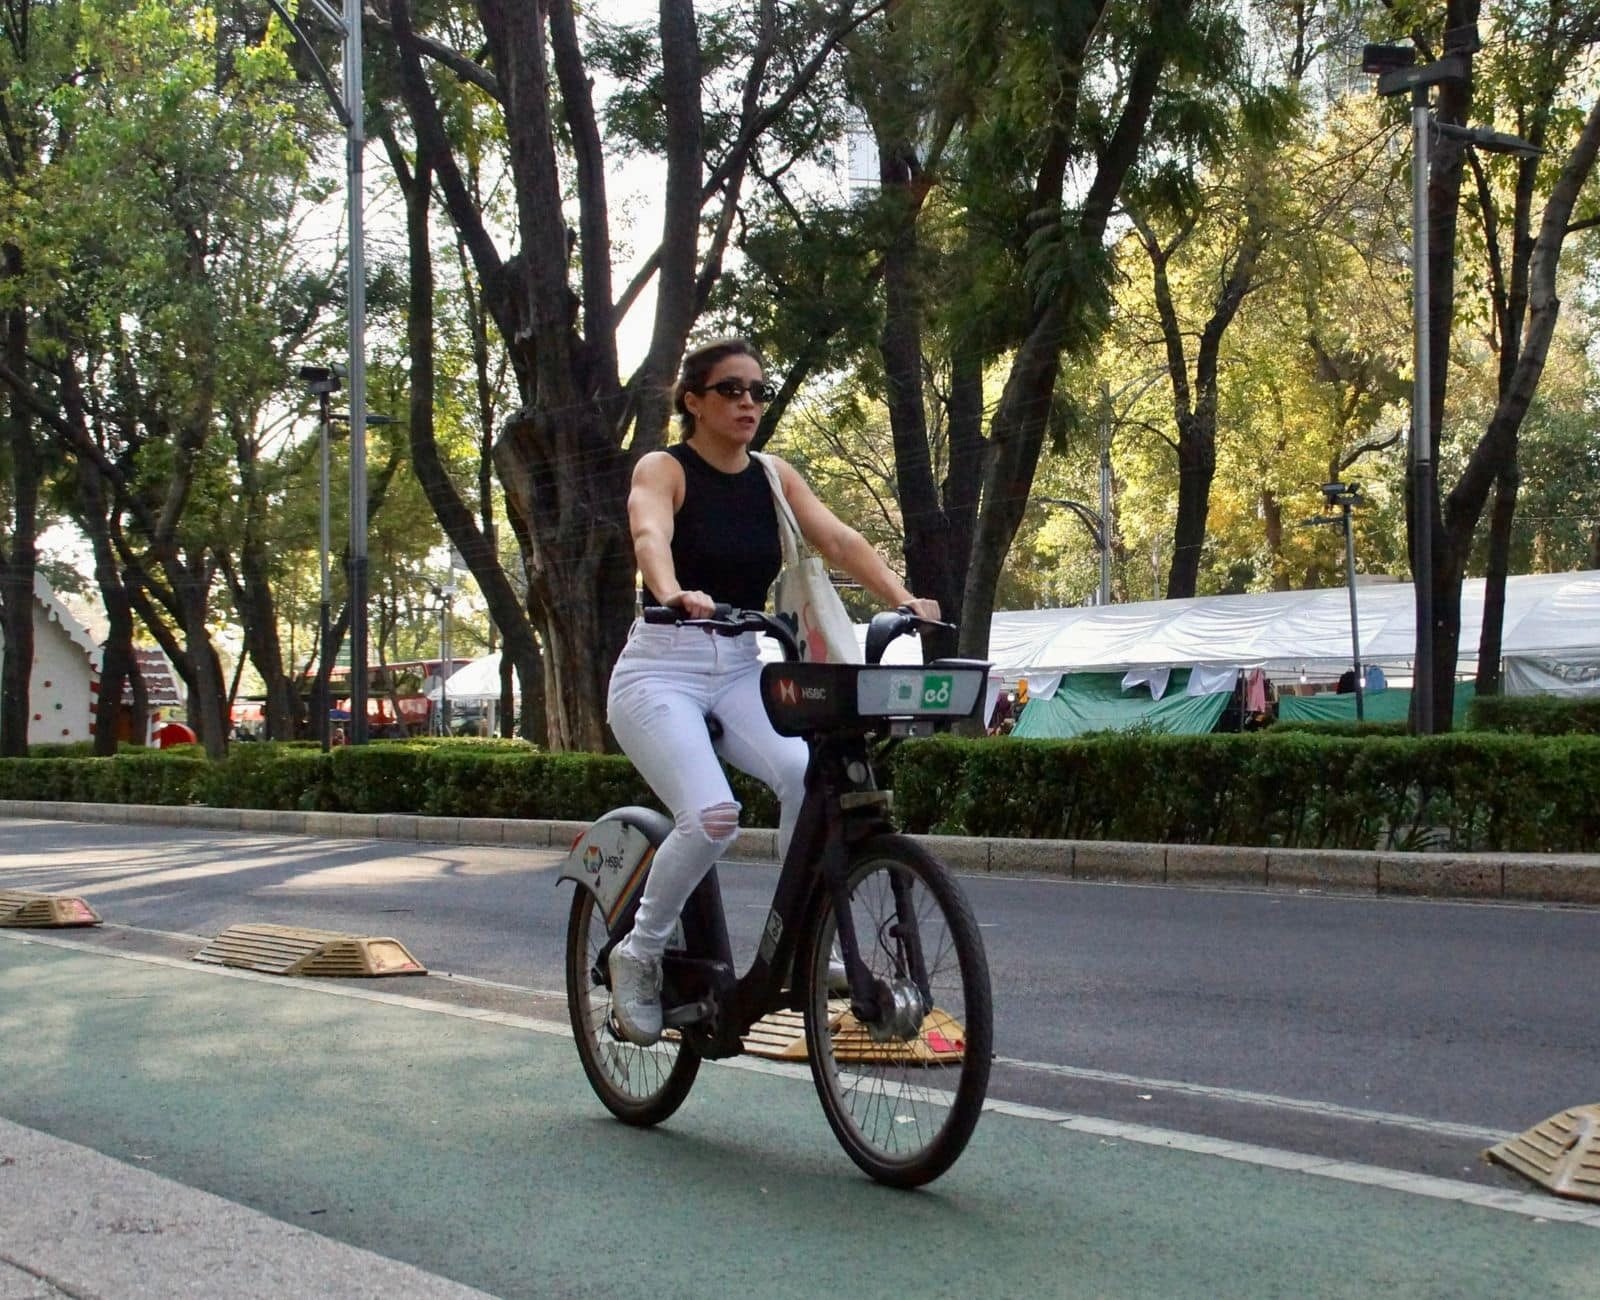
x=1550, y=619
x=1551, y=633
x=475, y=682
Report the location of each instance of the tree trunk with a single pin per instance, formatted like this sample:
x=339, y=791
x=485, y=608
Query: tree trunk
x=928, y=569
x=19, y=561
x=1444, y=203
x=1197, y=466
x=580, y=563
x=208, y=691
x=1272, y=522
x=475, y=544
x=118, y=668
x=1493, y=460
x=253, y=599
x=1494, y=588
x=1016, y=438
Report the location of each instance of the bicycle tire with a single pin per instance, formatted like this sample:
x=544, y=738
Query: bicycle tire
x=639, y=1085
x=898, y=1119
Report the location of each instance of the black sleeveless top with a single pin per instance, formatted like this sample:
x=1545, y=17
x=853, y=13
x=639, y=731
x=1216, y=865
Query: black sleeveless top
x=725, y=535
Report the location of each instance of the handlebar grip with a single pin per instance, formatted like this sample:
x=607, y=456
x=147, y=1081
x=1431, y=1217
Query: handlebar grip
x=670, y=615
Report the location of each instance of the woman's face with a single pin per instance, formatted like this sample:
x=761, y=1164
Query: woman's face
x=727, y=419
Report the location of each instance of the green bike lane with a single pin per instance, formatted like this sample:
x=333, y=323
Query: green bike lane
x=471, y=1147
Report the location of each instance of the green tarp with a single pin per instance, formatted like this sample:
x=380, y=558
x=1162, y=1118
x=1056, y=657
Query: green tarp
x=1378, y=706
x=1096, y=702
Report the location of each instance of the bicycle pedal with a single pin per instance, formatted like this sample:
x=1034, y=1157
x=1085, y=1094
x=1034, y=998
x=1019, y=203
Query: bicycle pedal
x=688, y=1014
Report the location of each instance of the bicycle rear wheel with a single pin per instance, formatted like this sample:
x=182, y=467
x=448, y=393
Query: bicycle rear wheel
x=639, y=1085
x=904, y=1108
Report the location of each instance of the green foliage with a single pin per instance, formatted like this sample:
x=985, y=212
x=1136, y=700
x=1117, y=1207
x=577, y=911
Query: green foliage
x=172, y=776
x=438, y=778
x=1351, y=728
x=1534, y=715
x=1290, y=789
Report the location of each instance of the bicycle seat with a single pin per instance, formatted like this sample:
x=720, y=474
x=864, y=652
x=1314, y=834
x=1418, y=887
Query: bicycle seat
x=804, y=699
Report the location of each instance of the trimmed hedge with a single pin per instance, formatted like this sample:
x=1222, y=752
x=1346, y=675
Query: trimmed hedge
x=173, y=776
x=446, y=778
x=1534, y=715
x=1291, y=789
x=1341, y=728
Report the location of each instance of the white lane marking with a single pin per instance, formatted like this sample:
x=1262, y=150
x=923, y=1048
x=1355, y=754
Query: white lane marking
x=1331, y=1110
x=1527, y=1205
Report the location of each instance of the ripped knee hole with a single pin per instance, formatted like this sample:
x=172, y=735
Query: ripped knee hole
x=717, y=823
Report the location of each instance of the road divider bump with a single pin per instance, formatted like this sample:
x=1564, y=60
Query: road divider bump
x=26, y=909
x=1561, y=1154
x=295, y=950
x=781, y=1036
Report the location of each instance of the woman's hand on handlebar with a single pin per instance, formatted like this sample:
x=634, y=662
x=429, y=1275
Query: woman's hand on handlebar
x=694, y=604
x=923, y=607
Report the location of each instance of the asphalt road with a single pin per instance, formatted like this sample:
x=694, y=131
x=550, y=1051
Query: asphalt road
x=1406, y=1034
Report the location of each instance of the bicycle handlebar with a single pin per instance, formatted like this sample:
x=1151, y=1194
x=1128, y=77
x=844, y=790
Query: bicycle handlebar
x=725, y=620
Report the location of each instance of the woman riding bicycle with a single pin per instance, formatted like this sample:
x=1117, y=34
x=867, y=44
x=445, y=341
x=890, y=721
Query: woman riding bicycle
x=705, y=531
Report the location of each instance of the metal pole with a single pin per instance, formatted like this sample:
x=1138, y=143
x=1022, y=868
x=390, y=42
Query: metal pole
x=1105, y=493
x=1421, y=420
x=357, y=294
x=325, y=616
x=1355, y=629
x=444, y=663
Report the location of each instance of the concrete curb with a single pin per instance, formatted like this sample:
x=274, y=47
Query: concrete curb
x=1530, y=877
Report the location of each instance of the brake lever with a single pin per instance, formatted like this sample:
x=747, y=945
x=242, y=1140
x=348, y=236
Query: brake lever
x=920, y=623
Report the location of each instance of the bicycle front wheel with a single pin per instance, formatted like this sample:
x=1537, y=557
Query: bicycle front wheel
x=903, y=1100
x=639, y=1085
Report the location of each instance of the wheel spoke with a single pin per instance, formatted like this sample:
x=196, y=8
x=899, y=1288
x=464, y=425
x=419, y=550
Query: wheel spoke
x=639, y=1084
x=900, y=1109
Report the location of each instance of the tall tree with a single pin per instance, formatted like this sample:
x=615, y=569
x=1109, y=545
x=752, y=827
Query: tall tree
x=173, y=145
x=565, y=457
x=1539, y=81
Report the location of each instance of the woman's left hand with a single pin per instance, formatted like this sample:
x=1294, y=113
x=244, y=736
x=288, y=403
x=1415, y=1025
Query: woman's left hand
x=922, y=607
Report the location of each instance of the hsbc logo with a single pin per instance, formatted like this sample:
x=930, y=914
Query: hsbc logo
x=791, y=692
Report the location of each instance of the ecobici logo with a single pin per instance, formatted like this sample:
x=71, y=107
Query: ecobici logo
x=936, y=691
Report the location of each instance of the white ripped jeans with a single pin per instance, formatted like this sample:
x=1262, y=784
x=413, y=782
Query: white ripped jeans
x=666, y=681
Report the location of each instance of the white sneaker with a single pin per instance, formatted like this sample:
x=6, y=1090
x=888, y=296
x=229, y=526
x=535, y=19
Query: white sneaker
x=635, y=996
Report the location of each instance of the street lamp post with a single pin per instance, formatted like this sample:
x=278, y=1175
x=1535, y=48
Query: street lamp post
x=1094, y=521
x=355, y=149
x=1399, y=73
x=348, y=107
x=1346, y=497
x=445, y=595
x=1105, y=493
x=323, y=381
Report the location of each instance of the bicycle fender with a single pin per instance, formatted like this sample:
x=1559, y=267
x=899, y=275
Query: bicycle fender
x=612, y=857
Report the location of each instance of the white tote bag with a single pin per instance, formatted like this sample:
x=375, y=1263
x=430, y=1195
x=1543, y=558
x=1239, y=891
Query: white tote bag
x=804, y=596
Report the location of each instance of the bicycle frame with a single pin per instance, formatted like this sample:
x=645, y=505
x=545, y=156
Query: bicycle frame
x=703, y=997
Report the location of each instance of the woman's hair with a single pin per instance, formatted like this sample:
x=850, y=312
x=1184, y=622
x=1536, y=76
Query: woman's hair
x=697, y=368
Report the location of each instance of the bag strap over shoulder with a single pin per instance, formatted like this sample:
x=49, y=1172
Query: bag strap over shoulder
x=789, y=535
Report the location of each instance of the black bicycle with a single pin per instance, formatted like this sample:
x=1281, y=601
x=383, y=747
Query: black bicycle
x=869, y=937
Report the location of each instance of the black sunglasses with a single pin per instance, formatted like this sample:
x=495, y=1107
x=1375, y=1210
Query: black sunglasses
x=733, y=389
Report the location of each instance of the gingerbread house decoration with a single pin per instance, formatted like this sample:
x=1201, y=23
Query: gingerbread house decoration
x=61, y=688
